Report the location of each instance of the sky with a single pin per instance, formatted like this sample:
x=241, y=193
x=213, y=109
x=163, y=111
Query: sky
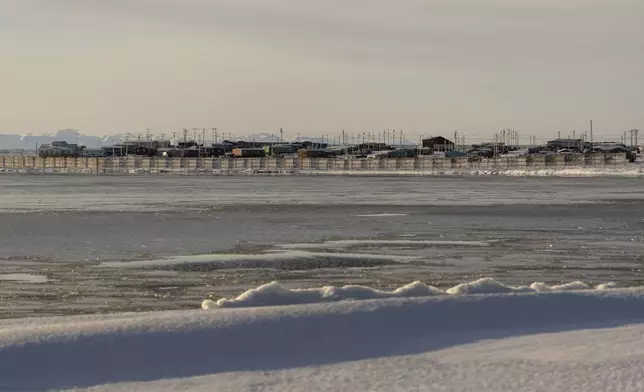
x=427, y=67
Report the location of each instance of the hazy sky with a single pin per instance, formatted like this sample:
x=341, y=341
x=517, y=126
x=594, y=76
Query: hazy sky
x=424, y=66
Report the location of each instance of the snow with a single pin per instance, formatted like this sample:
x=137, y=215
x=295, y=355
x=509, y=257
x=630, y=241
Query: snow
x=583, y=340
x=627, y=170
x=27, y=278
x=381, y=215
x=267, y=259
x=350, y=243
x=274, y=294
x=491, y=286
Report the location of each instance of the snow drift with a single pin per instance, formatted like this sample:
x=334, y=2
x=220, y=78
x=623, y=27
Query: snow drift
x=274, y=294
x=628, y=170
x=371, y=344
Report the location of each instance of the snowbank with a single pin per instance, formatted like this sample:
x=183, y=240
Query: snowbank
x=274, y=294
x=620, y=171
x=448, y=342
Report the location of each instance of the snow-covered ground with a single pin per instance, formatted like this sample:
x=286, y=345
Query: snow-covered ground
x=536, y=338
x=627, y=170
x=28, y=278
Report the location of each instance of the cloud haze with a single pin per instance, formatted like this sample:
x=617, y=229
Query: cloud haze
x=245, y=66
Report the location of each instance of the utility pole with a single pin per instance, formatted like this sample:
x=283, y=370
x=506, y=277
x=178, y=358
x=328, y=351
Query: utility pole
x=637, y=131
x=281, y=135
x=455, y=137
x=591, y=131
x=634, y=133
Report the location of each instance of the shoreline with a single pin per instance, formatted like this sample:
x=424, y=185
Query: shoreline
x=429, y=166
x=632, y=170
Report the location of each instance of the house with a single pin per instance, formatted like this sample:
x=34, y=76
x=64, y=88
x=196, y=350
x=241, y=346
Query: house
x=439, y=143
x=59, y=149
x=571, y=144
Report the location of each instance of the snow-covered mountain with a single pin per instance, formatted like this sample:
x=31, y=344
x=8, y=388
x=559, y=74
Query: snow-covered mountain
x=31, y=141
x=260, y=138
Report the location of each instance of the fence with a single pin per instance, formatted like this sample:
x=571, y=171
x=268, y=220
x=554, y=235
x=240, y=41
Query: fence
x=205, y=166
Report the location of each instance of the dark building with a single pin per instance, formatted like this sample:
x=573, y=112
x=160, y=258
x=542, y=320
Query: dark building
x=571, y=144
x=439, y=143
x=487, y=148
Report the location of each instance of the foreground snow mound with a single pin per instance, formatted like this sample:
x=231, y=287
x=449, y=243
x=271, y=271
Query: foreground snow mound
x=379, y=345
x=274, y=294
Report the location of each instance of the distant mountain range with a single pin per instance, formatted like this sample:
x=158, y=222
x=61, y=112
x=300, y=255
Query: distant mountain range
x=272, y=138
x=30, y=141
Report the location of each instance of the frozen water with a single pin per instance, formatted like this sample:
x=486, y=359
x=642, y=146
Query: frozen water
x=118, y=243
